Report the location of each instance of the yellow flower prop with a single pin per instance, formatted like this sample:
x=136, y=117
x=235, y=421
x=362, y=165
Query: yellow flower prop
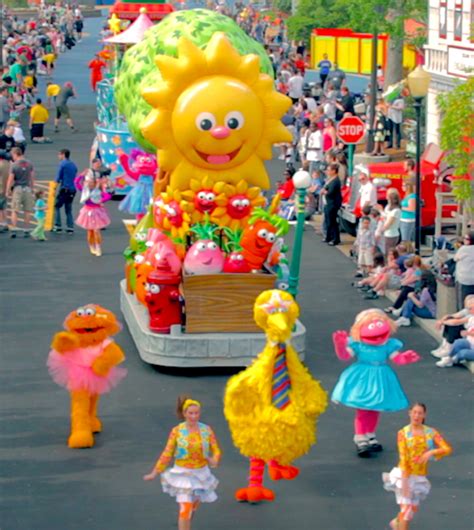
x=214, y=114
x=235, y=204
x=169, y=216
x=200, y=199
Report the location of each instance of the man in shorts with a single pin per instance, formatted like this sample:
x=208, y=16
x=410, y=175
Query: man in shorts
x=62, y=109
x=20, y=188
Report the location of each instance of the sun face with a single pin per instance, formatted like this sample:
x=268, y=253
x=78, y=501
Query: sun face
x=214, y=114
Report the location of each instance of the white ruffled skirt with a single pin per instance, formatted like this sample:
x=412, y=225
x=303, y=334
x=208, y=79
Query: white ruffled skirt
x=419, y=486
x=189, y=485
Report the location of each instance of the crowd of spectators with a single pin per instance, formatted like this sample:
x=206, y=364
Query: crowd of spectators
x=30, y=48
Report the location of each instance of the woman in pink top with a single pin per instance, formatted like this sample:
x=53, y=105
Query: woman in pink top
x=329, y=135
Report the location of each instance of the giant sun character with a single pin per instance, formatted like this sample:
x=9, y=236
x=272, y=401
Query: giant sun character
x=214, y=114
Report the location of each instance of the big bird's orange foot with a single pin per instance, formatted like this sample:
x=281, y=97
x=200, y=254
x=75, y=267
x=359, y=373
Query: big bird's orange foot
x=254, y=494
x=96, y=425
x=81, y=439
x=278, y=472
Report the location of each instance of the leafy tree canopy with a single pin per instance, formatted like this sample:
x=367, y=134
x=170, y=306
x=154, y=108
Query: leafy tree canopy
x=457, y=134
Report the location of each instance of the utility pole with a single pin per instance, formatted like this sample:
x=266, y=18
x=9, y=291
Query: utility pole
x=373, y=92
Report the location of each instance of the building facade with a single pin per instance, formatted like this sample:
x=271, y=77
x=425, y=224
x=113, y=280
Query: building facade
x=449, y=53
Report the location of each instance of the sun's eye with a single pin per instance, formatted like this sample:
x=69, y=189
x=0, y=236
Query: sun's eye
x=271, y=237
x=245, y=203
x=90, y=311
x=205, y=121
x=234, y=120
x=202, y=196
x=262, y=233
x=201, y=246
x=236, y=203
x=212, y=246
x=80, y=312
x=210, y=196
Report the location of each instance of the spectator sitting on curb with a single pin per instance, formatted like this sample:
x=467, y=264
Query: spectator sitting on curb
x=452, y=326
x=422, y=305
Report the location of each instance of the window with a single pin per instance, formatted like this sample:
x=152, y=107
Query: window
x=458, y=21
x=443, y=19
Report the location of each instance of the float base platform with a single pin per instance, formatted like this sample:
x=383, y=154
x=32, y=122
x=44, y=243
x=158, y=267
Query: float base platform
x=183, y=350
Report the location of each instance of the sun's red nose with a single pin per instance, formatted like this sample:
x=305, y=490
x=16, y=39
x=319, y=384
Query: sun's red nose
x=220, y=132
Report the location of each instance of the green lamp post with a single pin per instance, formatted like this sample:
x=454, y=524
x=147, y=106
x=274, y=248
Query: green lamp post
x=302, y=181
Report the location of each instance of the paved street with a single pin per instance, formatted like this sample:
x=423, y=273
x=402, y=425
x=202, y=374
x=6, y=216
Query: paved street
x=46, y=486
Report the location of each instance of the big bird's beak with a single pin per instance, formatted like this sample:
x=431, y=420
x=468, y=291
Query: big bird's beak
x=278, y=327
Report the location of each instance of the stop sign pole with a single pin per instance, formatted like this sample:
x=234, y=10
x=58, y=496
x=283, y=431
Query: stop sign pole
x=351, y=130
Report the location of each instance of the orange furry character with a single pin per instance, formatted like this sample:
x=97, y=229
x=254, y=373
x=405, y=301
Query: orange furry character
x=84, y=360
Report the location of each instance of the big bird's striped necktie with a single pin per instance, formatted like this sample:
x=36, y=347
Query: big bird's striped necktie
x=281, y=380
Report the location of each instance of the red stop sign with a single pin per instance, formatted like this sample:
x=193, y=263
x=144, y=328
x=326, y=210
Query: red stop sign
x=351, y=129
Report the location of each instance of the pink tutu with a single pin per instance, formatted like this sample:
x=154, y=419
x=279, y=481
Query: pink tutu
x=73, y=371
x=93, y=217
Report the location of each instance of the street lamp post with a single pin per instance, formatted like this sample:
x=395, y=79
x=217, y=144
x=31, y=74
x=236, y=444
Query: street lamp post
x=302, y=181
x=418, y=83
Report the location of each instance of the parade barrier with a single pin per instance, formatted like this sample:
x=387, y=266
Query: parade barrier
x=49, y=189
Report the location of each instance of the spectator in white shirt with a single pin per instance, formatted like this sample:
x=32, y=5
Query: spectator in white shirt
x=395, y=119
x=464, y=259
x=367, y=190
x=295, y=86
x=314, y=148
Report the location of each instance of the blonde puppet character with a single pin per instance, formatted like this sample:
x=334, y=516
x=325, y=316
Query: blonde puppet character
x=417, y=444
x=194, y=448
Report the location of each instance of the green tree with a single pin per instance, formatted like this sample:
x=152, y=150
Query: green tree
x=457, y=137
x=282, y=5
x=311, y=14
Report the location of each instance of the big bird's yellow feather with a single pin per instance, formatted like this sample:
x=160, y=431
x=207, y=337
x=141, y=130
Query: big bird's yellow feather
x=259, y=429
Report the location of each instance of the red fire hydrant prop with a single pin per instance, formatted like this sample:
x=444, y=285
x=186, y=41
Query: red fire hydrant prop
x=163, y=299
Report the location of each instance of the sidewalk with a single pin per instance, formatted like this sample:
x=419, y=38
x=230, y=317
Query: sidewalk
x=427, y=325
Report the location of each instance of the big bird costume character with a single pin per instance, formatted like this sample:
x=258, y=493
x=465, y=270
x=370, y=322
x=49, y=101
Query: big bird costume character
x=273, y=405
x=84, y=360
x=214, y=115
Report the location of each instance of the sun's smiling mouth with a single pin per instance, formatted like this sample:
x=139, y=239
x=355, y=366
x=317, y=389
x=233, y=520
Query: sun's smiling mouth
x=218, y=159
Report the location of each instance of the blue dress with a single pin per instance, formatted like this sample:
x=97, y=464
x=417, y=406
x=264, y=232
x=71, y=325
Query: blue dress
x=370, y=383
x=139, y=197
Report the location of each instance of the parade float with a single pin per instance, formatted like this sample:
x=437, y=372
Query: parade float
x=197, y=91
x=114, y=143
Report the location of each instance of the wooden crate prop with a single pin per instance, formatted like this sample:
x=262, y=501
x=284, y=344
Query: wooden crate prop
x=223, y=303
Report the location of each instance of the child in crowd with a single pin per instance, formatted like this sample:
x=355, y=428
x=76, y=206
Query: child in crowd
x=366, y=284
x=410, y=279
x=365, y=245
x=376, y=225
x=40, y=216
x=388, y=278
x=422, y=304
